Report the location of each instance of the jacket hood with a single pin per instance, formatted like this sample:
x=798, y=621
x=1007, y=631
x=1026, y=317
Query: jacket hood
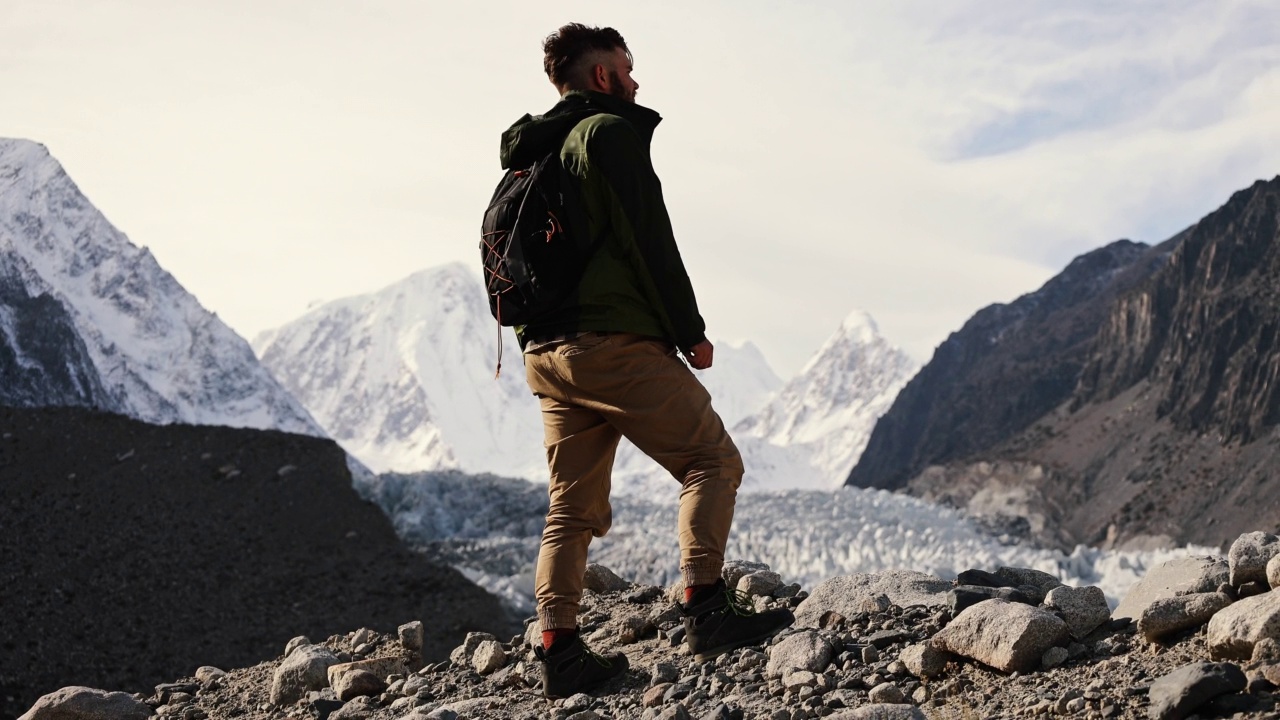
x=533, y=136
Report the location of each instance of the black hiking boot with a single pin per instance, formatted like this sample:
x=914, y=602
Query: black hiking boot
x=570, y=667
x=717, y=620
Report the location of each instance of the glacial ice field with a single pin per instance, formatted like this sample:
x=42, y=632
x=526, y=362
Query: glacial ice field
x=488, y=527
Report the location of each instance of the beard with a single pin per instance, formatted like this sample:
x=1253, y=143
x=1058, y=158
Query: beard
x=620, y=90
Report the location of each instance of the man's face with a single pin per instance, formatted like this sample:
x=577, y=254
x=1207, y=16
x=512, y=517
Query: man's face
x=621, y=85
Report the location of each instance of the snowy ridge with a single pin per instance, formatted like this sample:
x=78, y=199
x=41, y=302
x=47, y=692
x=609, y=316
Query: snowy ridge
x=403, y=378
x=812, y=432
x=161, y=357
x=489, y=528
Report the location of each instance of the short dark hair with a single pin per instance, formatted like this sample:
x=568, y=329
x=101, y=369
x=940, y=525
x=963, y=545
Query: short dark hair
x=563, y=49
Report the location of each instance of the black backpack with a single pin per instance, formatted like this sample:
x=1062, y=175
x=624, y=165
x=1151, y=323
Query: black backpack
x=534, y=241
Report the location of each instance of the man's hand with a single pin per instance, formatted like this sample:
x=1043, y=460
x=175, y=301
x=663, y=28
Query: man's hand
x=699, y=356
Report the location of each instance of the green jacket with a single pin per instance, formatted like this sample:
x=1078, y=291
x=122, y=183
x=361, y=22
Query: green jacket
x=635, y=281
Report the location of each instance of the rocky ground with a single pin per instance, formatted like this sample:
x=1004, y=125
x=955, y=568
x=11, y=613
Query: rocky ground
x=1010, y=643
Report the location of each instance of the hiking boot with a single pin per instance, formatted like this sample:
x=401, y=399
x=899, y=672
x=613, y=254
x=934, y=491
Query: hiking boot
x=717, y=620
x=570, y=667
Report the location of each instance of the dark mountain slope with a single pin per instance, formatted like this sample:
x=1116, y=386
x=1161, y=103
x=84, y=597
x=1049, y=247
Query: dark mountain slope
x=131, y=552
x=1008, y=366
x=43, y=361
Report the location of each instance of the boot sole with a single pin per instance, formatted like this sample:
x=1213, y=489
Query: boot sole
x=714, y=653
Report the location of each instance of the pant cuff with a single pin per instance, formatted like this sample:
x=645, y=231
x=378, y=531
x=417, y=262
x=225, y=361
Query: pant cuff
x=558, y=618
x=703, y=572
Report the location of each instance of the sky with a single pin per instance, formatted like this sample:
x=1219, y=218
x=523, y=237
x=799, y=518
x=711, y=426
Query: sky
x=914, y=159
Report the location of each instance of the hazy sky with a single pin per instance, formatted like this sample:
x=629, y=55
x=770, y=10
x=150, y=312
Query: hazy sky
x=914, y=159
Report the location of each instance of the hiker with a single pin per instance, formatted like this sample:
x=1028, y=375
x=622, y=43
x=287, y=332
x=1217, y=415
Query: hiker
x=606, y=363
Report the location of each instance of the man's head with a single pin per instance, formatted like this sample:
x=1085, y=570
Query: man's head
x=578, y=57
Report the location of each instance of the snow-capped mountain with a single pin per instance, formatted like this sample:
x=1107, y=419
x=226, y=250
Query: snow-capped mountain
x=403, y=378
x=823, y=417
x=156, y=354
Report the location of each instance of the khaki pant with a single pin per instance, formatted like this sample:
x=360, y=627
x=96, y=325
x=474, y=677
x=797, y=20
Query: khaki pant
x=595, y=390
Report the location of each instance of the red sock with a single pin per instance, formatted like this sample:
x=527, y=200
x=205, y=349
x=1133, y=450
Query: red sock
x=689, y=590
x=549, y=637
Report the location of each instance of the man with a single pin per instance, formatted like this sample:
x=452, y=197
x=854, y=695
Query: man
x=606, y=364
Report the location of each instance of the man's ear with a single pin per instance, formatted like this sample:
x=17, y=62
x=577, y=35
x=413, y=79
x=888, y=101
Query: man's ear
x=600, y=75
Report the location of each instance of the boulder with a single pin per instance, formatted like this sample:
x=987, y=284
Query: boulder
x=847, y=595
x=305, y=669
x=1169, y=615
x=1178, y=694
x=412, y=635
x=1019, y=577
x=734, y=570
x=1006, y=636
x=924, y=660
x=357, y=683
x=1083, y=608
x=461, y=655
x=761, y=583
x=488, y=658
x=1273, y=572
x=380, y=667
x=1190, y=574
x=1234, y=630
x=804, y=650
x=357, y=708
x=82, y=703
x=886, y=693
x=1249, y=556
x=601, y=579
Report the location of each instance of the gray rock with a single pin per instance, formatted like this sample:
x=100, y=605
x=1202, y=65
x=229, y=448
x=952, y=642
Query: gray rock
x=357, y=708
x=664, y=673
x=1053, y=657
x=1083, y=609
x=1191, y=574
x=675, y=712
x=1266, y=650
x=461, y=655
x=363, y=636
x=358, y=683
x=1234, y=630
x=1169, y=615
x=963, y=597
x=804, y=650
x=886, y=693
x=412, y=635
x=1273, y=572
x=1042, y=581
x=601, y=579
x=879, y=712
x=1007, y=636
x=848, y=594
x=924, y=660
x=82, y=703
x=208, y=673
x=1249, y=556
x=734, y=570
x=442, y=713
x=413, y=684
x=305, y=669
x=793, y=681
x=1178, y=694
x=296, y=643
x=761, y=583
x=489, y=657
x=584, y=715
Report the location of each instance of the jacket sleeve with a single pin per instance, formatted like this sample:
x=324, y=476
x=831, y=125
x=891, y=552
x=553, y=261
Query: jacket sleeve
x=638, y=210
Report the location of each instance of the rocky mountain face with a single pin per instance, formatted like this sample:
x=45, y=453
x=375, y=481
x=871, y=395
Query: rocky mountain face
x=132, y=550
x=1161, y=426
x=1198, y=638
x=87, y=318
x=1008, y=366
